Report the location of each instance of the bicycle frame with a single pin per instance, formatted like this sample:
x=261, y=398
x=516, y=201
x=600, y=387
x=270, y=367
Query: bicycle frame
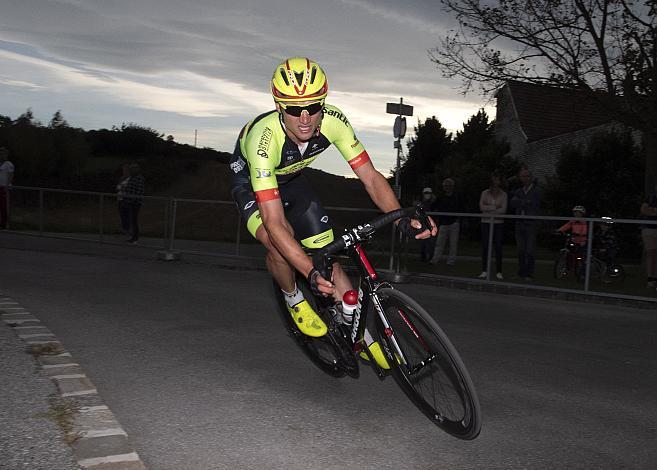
x=369, y=284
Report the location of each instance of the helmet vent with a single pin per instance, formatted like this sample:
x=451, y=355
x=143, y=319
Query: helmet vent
x=287, y=82
x=299, y=77
x=312, y=75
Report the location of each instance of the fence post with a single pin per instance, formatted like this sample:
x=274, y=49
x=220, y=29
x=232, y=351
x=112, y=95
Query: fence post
x=392, y=247
x=489, y=254
x=101, y=218
x=40, y=211
x=168, y=254
x=589, y=245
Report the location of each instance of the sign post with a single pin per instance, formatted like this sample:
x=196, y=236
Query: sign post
x=399, y=131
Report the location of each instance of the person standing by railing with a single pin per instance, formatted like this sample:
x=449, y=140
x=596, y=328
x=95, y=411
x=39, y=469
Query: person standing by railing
x=6, y=177
x=449, y=225
x=526, y=201
x=649, y=238
x=133, y=195
x=492, y=201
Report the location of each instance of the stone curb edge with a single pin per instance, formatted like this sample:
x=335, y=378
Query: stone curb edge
x=97, y=439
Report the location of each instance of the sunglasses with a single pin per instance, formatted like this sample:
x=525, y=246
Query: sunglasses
x=297, y=110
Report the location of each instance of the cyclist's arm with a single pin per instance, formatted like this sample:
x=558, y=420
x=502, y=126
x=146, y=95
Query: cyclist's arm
x=281, y=236
x=382, y=195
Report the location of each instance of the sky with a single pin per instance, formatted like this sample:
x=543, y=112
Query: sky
x=200, y=69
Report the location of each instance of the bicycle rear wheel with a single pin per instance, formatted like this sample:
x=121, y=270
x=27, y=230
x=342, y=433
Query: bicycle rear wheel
x=426, y=366
x=321, y=351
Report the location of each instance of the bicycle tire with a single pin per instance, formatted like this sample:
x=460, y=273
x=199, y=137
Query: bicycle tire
x=561, y=266
x=613, y=273
x=449, y=398
x=321, y=351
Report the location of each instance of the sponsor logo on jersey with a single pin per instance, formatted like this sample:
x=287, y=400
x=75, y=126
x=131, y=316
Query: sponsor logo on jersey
x=338, y=115
x=356, y=143
x=263, y=172
x=293, y=168
x=238, y=165
x=322, y=238
x=265, y=140
x=249, y=205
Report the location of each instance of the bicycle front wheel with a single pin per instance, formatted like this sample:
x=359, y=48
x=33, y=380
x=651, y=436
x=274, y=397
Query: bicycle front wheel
x=426, y=366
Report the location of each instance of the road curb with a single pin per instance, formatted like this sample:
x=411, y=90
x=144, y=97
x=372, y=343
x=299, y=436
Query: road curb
x=97, y=439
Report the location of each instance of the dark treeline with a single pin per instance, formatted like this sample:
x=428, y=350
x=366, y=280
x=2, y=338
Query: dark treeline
x=57, y=155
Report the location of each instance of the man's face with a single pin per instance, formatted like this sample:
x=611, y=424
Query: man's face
x=426, y=195
x=303, y=127
x=448, y=187
x=525, y=177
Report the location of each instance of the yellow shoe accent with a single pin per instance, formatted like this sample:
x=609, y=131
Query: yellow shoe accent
x=307, y=320
x=377, y=354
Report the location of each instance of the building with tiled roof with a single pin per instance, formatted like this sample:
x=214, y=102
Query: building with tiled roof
x=538, y=121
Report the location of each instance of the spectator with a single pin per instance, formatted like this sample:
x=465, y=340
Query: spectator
x=649, y=237
x=427, y=245
x=132, y=198
x=124, y=210
x=449, y=226
x=492, y=201
x=6, y=177
x=577, y=228
x=526, y=201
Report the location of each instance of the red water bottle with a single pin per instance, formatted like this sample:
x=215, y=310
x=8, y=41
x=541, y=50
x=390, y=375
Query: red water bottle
x=349, y=304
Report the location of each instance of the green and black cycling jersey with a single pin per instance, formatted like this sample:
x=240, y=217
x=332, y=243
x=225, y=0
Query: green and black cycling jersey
x=265, y=156
x=266, y=164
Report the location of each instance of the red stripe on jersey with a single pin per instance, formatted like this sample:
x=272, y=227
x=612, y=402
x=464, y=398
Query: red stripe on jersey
x=267, y=195
x=360, y=160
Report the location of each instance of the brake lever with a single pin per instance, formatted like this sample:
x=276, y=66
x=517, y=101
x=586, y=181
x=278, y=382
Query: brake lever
x=323, y=263
x=422, y=216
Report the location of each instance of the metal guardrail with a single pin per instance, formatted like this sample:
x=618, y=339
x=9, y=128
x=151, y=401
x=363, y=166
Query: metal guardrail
x=395, y=252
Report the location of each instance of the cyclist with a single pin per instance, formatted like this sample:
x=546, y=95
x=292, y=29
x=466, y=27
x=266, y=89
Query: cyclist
x=278, y=204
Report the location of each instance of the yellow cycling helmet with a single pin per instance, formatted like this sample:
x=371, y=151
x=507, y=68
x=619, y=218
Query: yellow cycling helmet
x=298, y=79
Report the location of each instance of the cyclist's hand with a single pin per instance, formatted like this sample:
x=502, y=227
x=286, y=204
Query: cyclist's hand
x=412, y=228
x=319, y=285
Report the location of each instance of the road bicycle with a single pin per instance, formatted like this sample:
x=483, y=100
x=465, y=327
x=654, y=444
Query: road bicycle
x=422, y=360
x=571, y=258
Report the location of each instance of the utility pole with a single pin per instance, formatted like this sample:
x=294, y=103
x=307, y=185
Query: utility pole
x=195, y=136
x=399, y=131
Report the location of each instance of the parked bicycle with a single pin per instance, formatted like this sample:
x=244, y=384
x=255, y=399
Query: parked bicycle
x=421, y=359
x=572, y=259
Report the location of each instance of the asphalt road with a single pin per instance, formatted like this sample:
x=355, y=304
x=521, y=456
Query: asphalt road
x=196, y=367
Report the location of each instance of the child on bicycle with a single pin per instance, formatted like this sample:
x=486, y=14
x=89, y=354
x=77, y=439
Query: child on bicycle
x=578, y=228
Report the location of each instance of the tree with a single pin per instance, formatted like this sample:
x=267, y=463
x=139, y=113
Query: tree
x=58, y=120
x=475, y=154
x=426, y=149
x=604, y=177
x=606, y=47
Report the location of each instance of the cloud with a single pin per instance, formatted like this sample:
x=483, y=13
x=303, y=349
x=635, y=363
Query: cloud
x=19, y=84
x=175, y=92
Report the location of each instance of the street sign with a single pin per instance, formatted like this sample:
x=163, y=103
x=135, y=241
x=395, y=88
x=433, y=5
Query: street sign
x=399, y=109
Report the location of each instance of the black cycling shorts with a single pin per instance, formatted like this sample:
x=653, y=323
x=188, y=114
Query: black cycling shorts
x=302, y=207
